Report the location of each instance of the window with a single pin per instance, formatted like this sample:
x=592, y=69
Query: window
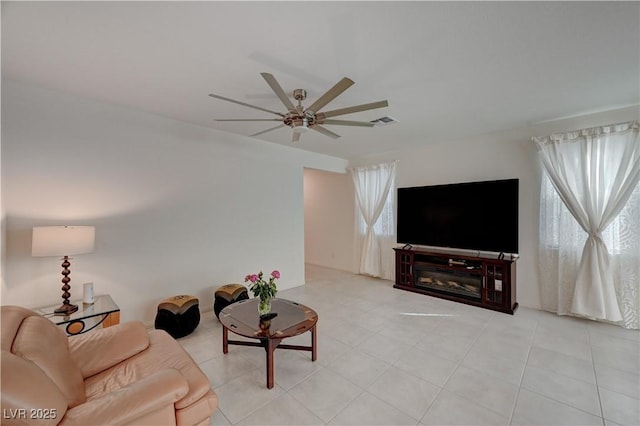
x=559, y=226
x=385, y=226
x=374, y=199
x=594, y=273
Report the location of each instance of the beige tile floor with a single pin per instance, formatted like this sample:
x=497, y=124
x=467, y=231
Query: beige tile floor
x=390, y=357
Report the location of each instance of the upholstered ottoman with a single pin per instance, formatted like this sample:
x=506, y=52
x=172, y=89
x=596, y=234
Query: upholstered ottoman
x=228, y=294
x=178, y=315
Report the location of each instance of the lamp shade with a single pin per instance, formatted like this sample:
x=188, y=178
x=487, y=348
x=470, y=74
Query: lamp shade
x=62, y=240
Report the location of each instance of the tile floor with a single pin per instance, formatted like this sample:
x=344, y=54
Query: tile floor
x=390, y=357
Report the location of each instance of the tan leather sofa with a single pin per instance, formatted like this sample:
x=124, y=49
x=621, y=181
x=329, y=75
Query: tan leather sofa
x=120, y=375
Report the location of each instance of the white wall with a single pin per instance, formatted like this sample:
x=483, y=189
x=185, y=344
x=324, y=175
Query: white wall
x=328, y=219
x=182, y=209
x=508, y=154
x=178, y=209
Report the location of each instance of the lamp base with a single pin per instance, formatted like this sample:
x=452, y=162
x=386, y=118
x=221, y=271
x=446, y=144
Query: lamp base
x=66, y=309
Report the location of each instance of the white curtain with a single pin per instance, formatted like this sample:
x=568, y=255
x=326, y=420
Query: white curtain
x=595, y=173
x=374, y=191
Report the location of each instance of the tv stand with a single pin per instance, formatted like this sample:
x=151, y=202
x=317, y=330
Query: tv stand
x=485, y=281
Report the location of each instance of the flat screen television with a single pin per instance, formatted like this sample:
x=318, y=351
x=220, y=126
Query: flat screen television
x=473, y=215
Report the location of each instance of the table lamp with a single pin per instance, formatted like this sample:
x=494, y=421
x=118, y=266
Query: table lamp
x=63, y=241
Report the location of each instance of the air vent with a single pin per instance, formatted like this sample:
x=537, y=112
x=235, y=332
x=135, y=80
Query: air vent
x=383, y=121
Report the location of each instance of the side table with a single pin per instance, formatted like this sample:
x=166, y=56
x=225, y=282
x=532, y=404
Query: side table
x=103, y=312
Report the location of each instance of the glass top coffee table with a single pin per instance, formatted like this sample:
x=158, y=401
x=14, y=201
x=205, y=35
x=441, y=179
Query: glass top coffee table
x=292, y=319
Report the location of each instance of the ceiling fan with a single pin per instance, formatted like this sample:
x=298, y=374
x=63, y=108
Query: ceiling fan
x=299, y=118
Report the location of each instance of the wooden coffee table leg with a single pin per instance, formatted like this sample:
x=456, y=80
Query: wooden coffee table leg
x=225, y=340
x=314, y=345
x=272, y=344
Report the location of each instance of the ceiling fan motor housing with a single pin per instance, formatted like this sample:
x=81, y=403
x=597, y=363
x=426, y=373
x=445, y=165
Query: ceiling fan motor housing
x=298, y=123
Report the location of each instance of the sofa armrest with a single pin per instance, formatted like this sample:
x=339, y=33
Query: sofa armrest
x=129, y=403
x=103, y=348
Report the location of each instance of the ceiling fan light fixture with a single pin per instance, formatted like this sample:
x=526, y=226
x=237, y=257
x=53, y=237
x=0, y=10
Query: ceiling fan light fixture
x=302, y=127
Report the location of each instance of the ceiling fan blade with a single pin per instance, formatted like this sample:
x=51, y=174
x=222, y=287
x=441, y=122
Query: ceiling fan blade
x=268, y=130
x=347, y=123
x=296, y=137
x=351, y=110
x=248, y=119
x=273, y=83
x=245, y=104
x=324, y=131
x=330, y=95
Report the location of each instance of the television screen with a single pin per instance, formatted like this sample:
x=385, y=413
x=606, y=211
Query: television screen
x=475, y=215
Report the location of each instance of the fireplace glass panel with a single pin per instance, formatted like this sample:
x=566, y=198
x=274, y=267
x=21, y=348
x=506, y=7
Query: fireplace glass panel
x=450, y=281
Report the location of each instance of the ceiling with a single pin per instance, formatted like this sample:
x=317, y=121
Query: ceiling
x=448, y=69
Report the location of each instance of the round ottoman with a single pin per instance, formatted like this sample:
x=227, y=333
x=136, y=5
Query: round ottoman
x=226, y=295
x=178, y=315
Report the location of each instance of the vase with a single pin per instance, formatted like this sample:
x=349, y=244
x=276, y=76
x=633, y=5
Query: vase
x=264, y=307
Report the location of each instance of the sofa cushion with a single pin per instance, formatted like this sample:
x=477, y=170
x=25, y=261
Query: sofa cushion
x=131, y=403
x=26, y=387
x=163, y=352
x=95, y=352
x=41, y=342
